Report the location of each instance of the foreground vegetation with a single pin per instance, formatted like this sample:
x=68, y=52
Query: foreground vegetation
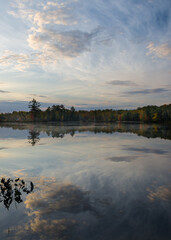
x=58, y=113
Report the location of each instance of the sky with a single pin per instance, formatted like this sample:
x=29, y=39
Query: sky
x=91, y=54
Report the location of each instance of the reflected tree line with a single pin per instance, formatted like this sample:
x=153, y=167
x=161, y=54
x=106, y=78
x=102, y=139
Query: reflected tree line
x=12, y=190
x=149, y=131
x=34, y=135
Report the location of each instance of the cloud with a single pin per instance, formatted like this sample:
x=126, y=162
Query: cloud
x=2, y=148
x=121, y=83
x=147, y=91
x=60, y=16
x=47, y=12
x=122, y=159
x=49, y=36
x=2, y=91
x=19, y=62
x=63, y=30
x=36, y=95
x=161, y=51
x=61, y=44
x=42, y=96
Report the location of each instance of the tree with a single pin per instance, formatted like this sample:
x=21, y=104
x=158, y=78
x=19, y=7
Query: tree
x=72, y=109
x=34, y=107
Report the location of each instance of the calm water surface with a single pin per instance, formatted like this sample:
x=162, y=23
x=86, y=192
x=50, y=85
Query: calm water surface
x=69, y=182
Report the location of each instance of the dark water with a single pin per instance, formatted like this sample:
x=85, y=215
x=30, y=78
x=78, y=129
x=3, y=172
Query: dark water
x=72, y=182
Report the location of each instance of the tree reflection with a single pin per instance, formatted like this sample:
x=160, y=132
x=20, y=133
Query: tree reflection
x=59, y=131
x=33, y=137
x=11, y=190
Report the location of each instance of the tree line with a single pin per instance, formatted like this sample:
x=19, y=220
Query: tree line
x=59, y=113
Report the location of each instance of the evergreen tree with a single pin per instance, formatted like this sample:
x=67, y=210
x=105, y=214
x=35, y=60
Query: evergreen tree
x=34, y=107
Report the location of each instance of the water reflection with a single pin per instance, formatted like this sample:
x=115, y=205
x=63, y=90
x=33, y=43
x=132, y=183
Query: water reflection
x=64, y=211
x=146, y=150
x=162, y=192
x=59, y=131
x=97, y=186
x=11, y=191
x=33, y=137
x=56, y=211
x=122, y=159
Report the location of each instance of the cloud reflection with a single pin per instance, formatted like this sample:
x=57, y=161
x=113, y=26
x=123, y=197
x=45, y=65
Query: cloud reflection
x=64, y=211
x=147, y=150
x=122, y=159
x=162, y=192
x=55, y=211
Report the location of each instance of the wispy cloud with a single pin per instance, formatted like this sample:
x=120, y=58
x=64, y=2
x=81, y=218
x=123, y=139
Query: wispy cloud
x=55, y=13
x=50, y=37
x=36, y=95
x=147, y=91
x=45, y=12
x=103, y=44
x=64, y=29
x=161, y=51
x=61, y=44
x=2, y=91
x=121, y=83
x=18, y=61
x=42, y=96
x=123, y=159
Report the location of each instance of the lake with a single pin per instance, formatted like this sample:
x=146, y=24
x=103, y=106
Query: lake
x=85, y=182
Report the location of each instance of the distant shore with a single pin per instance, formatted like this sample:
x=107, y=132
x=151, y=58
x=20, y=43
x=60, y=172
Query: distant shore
x=59, y=114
